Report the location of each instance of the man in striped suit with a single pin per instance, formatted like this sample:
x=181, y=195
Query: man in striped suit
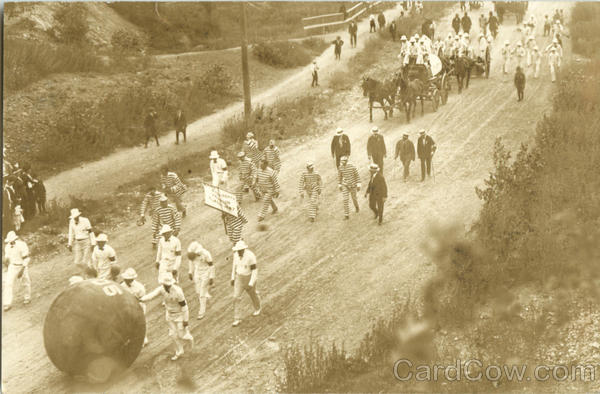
x=173, y=187
x=269, y=188
x=166, y=215
x=247, y=172
x=151, y=203
x=271, y=154
x=251, y=150
x=348, y=183
x=311, y=183
x=234, y=225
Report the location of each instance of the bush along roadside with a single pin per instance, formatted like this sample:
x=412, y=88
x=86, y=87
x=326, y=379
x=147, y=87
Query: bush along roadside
x=528, y=271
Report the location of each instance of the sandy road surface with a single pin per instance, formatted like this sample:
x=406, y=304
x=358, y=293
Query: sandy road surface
x=328, y=279
x=125, y=165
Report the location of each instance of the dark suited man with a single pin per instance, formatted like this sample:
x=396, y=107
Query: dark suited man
x=376, y=148
x=425, y=150
x=377, y=192
x=340, y=146
x=405, y=150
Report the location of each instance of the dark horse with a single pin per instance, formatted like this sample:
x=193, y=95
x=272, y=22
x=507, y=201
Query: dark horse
x=379, y=92
x=462, y=67
x=410, y=90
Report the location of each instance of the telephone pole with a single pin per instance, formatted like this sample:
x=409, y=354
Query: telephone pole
x=245, y=71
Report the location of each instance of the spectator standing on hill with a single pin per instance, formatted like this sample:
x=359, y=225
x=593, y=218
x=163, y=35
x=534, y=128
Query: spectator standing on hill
x=352, y=29
x=393, y=30
x=466, y=23
x=381, y=20
x=456, y=24
x=315, y=75
x=337, y=47
x=150, y=127
x=372, y=25
x=180, y=126
x=343, y=11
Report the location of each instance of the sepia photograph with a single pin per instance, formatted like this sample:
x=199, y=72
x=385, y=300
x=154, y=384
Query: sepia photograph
x=300, y=197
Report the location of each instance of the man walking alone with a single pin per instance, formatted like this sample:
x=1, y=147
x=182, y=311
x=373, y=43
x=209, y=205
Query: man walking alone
x=377, y=192
x=425, y=150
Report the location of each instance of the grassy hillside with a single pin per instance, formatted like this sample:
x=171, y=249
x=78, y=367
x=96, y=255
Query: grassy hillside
x=522, y=287
x=174, y=27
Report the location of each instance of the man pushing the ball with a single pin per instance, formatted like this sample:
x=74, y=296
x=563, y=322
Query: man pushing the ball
x=177, y=311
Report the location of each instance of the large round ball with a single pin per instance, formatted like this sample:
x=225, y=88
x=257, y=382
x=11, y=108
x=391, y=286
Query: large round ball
x=94, y=329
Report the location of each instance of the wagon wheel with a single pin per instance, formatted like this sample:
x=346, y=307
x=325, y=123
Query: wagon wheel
x=487, y=62
x=435, y=99
x=445, y=88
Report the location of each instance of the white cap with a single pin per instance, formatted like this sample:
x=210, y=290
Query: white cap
x=373, y=166
x=166, y=279
x=506, y=42
x=102, y=238
x=240, y=245
x=339, y=130
x=519, y=44
x=195, y=248
x=250, y=135
x=344, y=158
x=165, y=229
x=214, y=155
x=241, y=154
x=554, y=41
x=309, y=164
x=422, y=131
x=129, y=273
x=75, y=279
x=403, y=38
x=163, y=197
x=11, y=236
x=74, y=213
x=374, y=129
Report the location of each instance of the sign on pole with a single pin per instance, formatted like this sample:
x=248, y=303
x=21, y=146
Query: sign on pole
x=220, y=199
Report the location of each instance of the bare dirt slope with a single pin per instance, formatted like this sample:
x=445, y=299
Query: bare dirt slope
x=328, y=279
x=125, y=165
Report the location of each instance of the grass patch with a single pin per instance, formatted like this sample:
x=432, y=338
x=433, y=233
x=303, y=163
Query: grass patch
x=28, y=61
x=288, y=54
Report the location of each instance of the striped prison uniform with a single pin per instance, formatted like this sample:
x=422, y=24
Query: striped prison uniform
x=234, y=225
x=268, y=186
x=251, y=150
x=165, y=215
x=348, y=179
x=247, y=179
x=311, y=183
x=273, y=159
x=152, y=203
x=174, y=188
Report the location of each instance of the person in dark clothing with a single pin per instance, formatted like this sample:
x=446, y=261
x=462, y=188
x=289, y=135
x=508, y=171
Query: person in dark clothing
x=337, y=43
x=150, y=126
x=372, y=25
x=377, y=192
x=381, y=20
x=405, y=150
x=466, y=23
x=520, y=83
x=493, y=24
x=340, y=146
x=180, y=126
x=376, y=148
x=425, y=150
x=343, y=11
x=352, y=29
x=393, y=30
x=456, y=24
x=463, y=6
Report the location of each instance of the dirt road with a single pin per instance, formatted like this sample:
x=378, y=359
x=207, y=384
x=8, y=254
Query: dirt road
x=328, y=279
x=125, y=165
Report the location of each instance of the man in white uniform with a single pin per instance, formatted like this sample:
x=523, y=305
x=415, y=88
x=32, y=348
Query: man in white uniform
x=168, y=256
x=103, y=257
x=177, y=312
x=218, y=170
x=16, y=256
x=136, y=288
x=243, y=278
x=202, y=272
x=81, y=239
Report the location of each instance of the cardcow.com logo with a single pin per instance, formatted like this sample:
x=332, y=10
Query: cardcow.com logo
x=475, y=370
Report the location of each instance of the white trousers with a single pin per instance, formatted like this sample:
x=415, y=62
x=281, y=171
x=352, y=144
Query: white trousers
x=11, y=277
x=220, y=180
